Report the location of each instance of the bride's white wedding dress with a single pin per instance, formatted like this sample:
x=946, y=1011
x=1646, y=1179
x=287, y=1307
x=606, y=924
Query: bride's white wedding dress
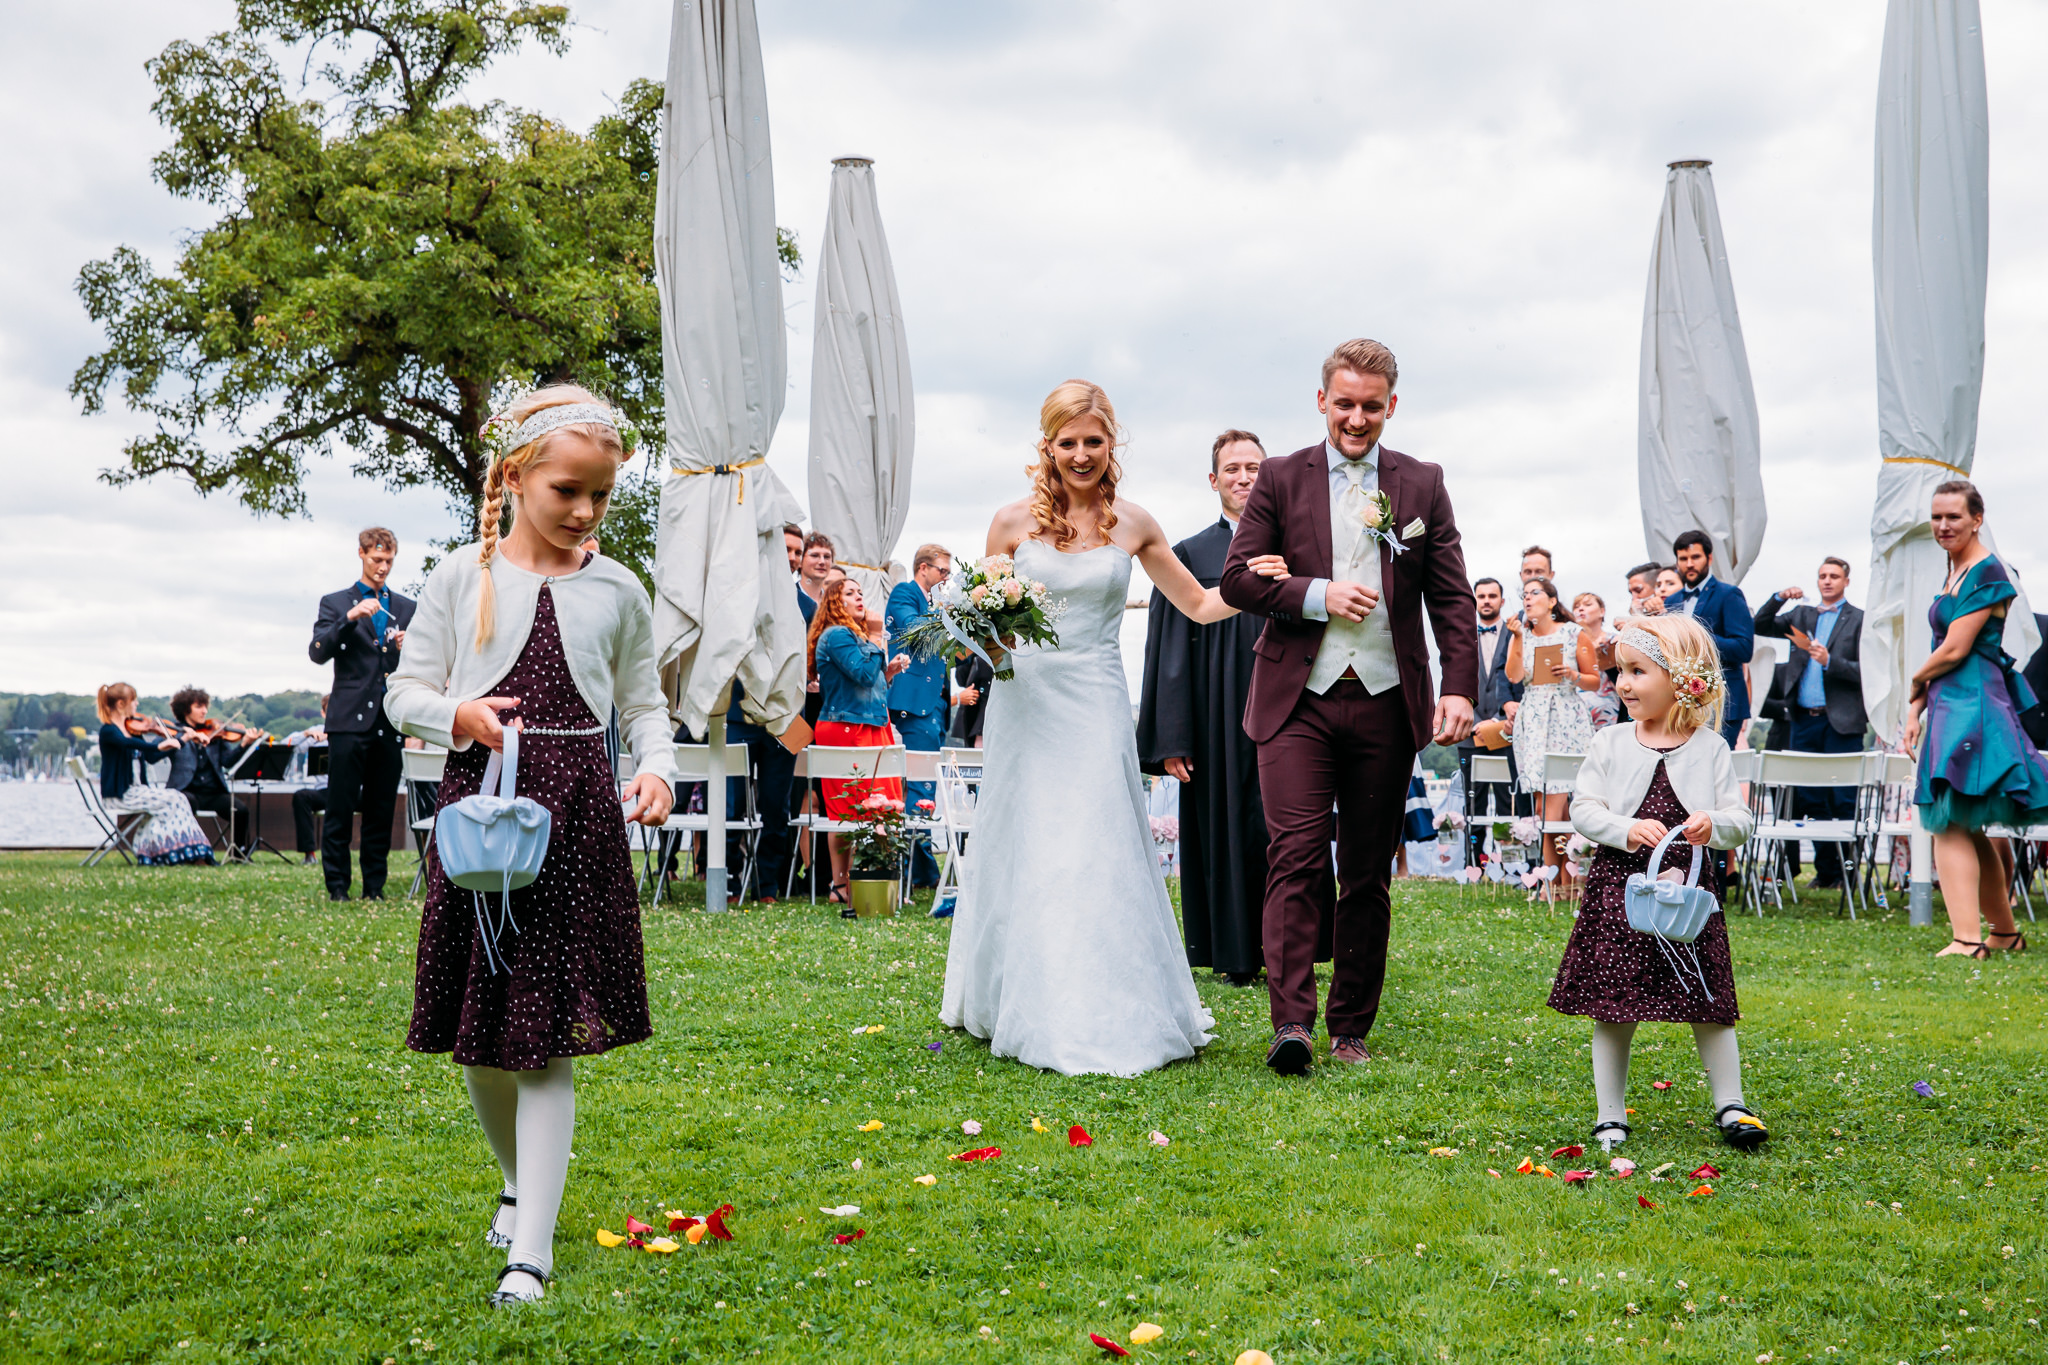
x=1065, y=953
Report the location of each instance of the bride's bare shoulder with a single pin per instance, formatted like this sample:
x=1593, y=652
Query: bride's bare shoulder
x=1011, y=525
x=1135, y=527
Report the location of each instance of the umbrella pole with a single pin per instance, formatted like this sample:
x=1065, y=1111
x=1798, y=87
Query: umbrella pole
x=714, y=809
x=1920, y=893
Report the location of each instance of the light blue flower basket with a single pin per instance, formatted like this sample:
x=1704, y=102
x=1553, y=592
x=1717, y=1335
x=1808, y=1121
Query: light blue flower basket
x=494, y=841
x=1673, y=913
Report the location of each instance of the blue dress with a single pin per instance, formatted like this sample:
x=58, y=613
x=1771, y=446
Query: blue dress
x=1977, y=766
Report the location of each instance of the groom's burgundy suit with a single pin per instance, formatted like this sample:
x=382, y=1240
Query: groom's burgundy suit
x=1344, y=748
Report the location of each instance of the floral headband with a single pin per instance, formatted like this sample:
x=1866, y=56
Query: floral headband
x=504, y=437
x=1698, y=683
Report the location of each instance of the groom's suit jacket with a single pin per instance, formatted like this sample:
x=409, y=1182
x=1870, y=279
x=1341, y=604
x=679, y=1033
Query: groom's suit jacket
x=1289, y=515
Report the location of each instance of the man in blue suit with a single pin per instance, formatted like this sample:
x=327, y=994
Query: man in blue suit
x=1723, y=610
x=917, y=697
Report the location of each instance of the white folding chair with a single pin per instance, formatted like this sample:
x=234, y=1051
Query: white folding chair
x=832, y=763
x=115, y=826
x=1557, y=768
x=957, y=792
x=421, y=768
x=693, y=764
x=1778, y=775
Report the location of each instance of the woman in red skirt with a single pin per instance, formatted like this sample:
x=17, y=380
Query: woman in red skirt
x=853, y=676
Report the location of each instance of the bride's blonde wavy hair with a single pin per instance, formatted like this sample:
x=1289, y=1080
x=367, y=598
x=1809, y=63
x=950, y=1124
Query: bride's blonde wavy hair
x=524, y=458
x=1069, y=403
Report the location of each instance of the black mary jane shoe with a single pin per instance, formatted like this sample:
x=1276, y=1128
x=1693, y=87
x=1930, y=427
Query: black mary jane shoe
x=502, y=1297
x=1611, y=1134
x=1745, y=1132
x=492, y=1237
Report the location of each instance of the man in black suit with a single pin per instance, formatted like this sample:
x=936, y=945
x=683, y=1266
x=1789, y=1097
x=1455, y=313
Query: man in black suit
x=1498, y=698
x=1826, y=706
x=361, y=629
x=199, y=768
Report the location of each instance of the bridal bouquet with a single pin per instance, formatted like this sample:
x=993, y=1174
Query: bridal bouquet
x=984, y=606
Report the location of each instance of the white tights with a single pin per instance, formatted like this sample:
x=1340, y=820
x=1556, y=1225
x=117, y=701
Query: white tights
x=529, y=1118
x=1718, y=1054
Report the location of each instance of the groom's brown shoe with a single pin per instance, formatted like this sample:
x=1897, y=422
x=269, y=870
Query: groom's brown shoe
x=1349, y=1050
x=1294, y=1048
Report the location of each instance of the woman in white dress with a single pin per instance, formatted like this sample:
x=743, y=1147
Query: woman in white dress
x=1065, y=954
x=1553, y=718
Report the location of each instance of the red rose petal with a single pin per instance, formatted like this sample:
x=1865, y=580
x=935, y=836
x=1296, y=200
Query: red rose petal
x=635, y=1226
x=840, y=1239
x=715, y=1220
x=1706, y=1172
x=1640, y=1199
x=682, y=1224
x=1660, y=1085
x=1571, y=1150
x=978, y=1154
x=1104, y=1342
x=1077, y=1136
x=1575, y=1177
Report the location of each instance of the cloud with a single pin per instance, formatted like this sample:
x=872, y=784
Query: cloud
x=1189, y=203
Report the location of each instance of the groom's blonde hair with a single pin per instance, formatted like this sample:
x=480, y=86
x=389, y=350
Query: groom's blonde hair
x=1362, y=356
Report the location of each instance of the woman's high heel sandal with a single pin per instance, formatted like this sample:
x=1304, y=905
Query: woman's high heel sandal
x=1975, y=945
x=1611, y=1134
x=1745, y=1131
x=502, y=1297
x=493, y=1237
x=2018, y=944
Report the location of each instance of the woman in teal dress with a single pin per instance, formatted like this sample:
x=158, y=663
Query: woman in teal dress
x=1977, y=768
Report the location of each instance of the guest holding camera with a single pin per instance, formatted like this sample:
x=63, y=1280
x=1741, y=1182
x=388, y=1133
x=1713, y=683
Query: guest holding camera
x=1825, y=709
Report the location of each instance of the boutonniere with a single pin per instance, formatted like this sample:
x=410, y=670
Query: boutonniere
x=1378, y=519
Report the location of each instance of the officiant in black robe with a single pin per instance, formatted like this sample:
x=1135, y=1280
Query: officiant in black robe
x=1191, y=726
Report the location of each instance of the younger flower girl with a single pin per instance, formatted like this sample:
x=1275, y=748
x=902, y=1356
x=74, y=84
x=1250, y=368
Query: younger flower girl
x=1668, y=768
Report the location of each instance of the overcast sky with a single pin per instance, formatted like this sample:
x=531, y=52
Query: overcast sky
x=1187, y=202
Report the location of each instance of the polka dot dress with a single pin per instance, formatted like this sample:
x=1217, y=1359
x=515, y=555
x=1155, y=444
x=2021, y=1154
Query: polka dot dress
x=576, y=984
x=1614, y=974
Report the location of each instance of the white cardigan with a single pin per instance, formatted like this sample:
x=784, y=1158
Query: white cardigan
x=607, y=630
x=1617, y=773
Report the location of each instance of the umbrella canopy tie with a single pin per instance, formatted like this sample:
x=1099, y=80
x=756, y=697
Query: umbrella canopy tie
x=1956, y=470
x=740, y=469
x=854, y=564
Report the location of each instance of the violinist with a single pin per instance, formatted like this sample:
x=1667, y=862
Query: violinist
x=200, y=763
x=169, y=835
x=361, y=630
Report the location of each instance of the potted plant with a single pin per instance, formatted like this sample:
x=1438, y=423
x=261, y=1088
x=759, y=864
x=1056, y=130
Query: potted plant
x=879, y=840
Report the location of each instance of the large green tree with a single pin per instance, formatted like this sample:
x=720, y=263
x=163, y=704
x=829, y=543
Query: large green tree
x=388, y=259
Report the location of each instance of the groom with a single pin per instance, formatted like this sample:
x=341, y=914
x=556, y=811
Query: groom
x=1340, y=699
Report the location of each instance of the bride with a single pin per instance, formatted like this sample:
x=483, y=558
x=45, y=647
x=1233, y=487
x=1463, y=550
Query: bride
x=1065, y=954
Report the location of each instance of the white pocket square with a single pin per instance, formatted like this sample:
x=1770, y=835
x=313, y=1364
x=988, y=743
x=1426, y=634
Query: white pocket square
x=1412, y=529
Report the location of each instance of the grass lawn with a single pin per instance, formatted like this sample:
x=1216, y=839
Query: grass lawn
x=213, y=1145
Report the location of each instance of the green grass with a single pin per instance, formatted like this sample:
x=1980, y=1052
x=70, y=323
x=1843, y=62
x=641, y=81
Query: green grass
x=214, y=1146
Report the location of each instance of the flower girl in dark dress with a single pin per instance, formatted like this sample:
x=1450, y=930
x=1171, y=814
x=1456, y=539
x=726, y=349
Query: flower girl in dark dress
x=538, y=635
x=1667, y=768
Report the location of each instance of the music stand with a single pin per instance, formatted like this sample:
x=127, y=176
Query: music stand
x=260, y=768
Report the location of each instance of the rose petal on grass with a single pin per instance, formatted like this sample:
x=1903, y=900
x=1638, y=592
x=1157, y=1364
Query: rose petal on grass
x=1571, y=1149
x=1492, y=1172
x=841, y=1210
x=1546, y=1171
x=679, y=1222
x=1077, y=1136
x=695, y=1234
x=875, y=1028
x=856, y=1163
x=1106, y=1344
x=715, y=1220
x=1923, y=1089
x=1622, y=1167
x=665, y=1245
x=1146, y=1331
x=871, y=1126
x=1526, y=1167
x=840, y=1239
x=1443, y=1151
x=1660, y=1085
x=1644, y=1201
x=1658, y=1174
x=635, y=1226
x=978, y=1154
x=1158, y=1139
x=933, y=1047
x=971, y=1128
x=1038, y=1125
x=1577, y=1177
x=1706, y=1172
x=1253, y=1357
x=1701, y=1191
x=607, y=1238
x=926, y=1180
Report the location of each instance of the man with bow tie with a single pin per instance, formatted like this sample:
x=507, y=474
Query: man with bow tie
x=1498, y=697
x=1724, y=611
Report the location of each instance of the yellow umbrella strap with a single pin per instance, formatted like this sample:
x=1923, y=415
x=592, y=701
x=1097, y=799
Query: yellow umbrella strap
x=740, y=469
x=1922, y=459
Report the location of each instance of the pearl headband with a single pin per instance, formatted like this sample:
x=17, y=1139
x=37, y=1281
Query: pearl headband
x=548, y=420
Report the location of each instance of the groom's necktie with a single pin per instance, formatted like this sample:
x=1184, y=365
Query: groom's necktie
x=1354, y=504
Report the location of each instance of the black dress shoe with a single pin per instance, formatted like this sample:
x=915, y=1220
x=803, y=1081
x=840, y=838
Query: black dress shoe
x=1239, y=978
x=338, y=896
x=373, y=895
x=1294, y=1048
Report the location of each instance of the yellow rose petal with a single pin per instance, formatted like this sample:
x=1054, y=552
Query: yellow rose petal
x=871, y=1126
x=606, y=1238
x=876, y=1028
x=1146, y=1331
x=1038, y=1126
x=1254, y=1357
x=926, y=1180
x=664, y=1245
x=696, y=1233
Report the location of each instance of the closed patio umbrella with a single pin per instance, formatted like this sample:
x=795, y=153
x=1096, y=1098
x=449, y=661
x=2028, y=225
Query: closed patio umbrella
x=723, y=607
x=1697, y=452
x=863, y=424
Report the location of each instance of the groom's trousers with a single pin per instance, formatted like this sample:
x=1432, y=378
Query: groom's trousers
x=1354, y=753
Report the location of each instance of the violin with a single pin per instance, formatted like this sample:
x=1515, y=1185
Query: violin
x=139, y=726
x=233, y=731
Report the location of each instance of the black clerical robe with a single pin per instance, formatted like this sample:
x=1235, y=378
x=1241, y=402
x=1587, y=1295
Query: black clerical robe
x=1196, y=678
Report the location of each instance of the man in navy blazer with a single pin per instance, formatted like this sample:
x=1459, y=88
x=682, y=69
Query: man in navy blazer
x=1724, y=611
x=917, y=696
x=360, y=630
